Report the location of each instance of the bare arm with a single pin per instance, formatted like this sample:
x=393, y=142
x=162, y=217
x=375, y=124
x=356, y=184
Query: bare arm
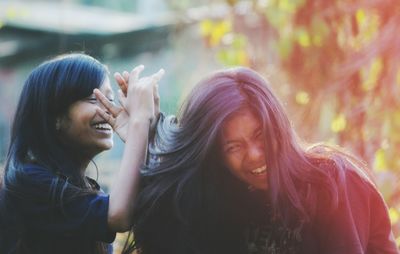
x=139, y=106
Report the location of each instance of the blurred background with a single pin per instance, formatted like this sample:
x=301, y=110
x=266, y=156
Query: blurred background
x=334, y=64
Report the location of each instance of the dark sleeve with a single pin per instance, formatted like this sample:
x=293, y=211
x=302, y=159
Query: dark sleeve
x=73, y=215
x=360, y=224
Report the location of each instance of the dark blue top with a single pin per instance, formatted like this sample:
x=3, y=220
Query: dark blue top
x=71, y=225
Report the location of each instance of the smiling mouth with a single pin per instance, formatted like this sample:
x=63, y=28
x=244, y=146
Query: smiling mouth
x=102, y=127
x=259, y=171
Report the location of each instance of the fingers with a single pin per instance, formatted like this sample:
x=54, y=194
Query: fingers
x=156, y=94
x=147, y=83
x=125, y=74
x=134, y=75
x=158, y=75
x=121, y=98
x=121, y=81
x=110, y=107
x=107, y=117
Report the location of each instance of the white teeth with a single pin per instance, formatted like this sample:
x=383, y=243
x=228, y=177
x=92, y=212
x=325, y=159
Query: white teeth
x=259, y=170
x=102, y=126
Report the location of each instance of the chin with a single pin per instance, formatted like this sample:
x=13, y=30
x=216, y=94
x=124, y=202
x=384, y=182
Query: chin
x=106, y=145
x=261, y=187
x=109, y=146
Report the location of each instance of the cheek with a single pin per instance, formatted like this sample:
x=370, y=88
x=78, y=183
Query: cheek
x=233, y=163
x=85, y=114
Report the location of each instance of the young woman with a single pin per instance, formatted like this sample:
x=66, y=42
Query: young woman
x=230, y=176
x=47, y=203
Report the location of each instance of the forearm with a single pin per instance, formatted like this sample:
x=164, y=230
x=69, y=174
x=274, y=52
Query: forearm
x=125, y=187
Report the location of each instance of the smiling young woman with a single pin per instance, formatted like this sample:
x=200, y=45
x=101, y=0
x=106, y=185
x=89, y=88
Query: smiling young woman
x=243, y=151
x=228, y=175
x=47, y=204
x=82, y=129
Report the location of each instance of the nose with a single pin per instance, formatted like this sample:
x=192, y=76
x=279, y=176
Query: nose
x=102, y=107
x=256, y=152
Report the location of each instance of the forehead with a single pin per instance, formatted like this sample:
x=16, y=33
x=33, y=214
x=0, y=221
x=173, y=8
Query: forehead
x=105, y=87
x=241, y=124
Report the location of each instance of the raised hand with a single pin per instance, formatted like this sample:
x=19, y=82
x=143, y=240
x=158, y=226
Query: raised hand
x=123, y=80
x=119, y=116
x=142, y=99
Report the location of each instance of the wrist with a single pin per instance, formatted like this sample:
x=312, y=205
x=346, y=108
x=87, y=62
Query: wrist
x=138, y=121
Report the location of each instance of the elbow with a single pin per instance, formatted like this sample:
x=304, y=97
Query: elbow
x=119, y=220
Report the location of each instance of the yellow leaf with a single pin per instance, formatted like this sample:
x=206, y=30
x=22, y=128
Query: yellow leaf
x=370, y=28
x=368, y=23
x=218, y=31
x=394, y=215
x=239, y=41
x=1, y=24
x=12, y=13
x=380, y=164
x=396, y=119
x=304, y=38
x=206, y=27
x=287, y=5
x=339, y=123
x=360, y=16
x=302, y=98
x=285, y=46
x=233, y=57
x=243, y=58
x=371, y=76
x=317, y=40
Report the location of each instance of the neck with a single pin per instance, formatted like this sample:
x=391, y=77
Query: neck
x=82, y=161
x=83, y=166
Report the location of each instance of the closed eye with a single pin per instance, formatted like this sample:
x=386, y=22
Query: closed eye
x=258, y=134
x=233, y=148
x=92, y=100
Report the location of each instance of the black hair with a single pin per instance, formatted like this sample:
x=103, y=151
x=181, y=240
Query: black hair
x=49, y=91
x=190, y=203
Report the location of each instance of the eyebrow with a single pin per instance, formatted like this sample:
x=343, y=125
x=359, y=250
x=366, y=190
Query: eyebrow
x=231, y=142
x=255, y=132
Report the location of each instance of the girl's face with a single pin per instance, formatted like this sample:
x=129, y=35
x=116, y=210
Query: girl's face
x=84, y=129
x=242, y=144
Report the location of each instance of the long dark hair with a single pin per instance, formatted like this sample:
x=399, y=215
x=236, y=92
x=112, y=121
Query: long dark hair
x=47, y=94
x=190, y=203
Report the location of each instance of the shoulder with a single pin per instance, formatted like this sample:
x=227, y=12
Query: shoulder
x=345, y=183
x=33, y=173
x=33, y=169
x=32, y=182
x=342, y=167
x=94, y=185
x=353, y=186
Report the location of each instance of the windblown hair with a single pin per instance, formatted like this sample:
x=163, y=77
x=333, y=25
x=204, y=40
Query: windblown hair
x=190, y=203
x=47, y=94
